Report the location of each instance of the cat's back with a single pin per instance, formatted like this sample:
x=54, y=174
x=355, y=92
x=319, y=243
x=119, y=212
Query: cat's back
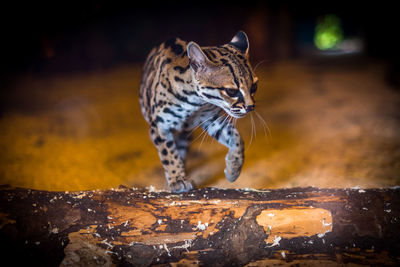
x=162, y=65
x=171, y=52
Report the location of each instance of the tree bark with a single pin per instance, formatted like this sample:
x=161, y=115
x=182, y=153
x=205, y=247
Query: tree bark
x=211, y=227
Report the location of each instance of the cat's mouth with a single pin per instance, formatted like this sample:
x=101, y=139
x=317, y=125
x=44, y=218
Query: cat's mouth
x=240, y=112
x=236, y=114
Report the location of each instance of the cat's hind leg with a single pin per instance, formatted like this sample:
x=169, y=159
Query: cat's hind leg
x=171, y=160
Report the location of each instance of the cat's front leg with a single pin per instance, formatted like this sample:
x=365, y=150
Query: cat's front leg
x=226, y=133
x=235, y=157
x=182, y=141
x=171, y=160
x=234, y=160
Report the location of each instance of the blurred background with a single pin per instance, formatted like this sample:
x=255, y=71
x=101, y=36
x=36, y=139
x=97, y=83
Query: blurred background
x=328, y=105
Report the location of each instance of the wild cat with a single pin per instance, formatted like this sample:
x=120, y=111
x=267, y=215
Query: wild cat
x=185, y=86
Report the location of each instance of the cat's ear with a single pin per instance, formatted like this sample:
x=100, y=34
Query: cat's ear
x=198, y=60
x=241, y=42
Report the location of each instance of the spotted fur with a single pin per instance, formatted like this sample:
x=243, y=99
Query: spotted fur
x=185, y=86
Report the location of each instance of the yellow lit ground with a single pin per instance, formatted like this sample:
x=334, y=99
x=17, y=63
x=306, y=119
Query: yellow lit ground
x=329, y=127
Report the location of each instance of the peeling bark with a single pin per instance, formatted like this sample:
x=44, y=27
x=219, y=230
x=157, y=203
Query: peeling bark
x=211, y=227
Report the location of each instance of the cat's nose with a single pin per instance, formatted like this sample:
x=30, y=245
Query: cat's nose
x=249, y=108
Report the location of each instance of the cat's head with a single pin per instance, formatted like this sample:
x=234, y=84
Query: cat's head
x=223, y=75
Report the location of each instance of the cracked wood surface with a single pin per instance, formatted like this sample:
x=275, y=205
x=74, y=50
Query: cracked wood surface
x=211, y=227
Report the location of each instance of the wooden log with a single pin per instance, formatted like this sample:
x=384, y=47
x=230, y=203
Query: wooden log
x=211, y=227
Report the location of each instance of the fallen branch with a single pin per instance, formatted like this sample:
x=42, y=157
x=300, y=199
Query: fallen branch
x=212, y=227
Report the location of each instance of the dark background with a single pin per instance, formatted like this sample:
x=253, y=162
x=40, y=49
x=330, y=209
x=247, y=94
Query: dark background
x=74, y=36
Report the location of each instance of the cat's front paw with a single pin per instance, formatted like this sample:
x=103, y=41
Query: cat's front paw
x=231, y=175
x=180, y=186
x=233, y=166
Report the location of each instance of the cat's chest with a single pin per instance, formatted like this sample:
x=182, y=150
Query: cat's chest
x=178, y=119
x=172, y=117
x=174, y=105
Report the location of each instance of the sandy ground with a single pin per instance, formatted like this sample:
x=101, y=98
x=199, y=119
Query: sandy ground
x=328, y=126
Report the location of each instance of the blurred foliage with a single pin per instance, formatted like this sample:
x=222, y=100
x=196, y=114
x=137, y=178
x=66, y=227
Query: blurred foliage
x=328, y=32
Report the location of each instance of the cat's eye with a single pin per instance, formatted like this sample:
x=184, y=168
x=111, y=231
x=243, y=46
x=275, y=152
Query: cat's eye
x=253, y=88
x=232, y=92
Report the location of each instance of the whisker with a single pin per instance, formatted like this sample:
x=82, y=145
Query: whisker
x=222, y=124
x=202, y=140
x=209, y=118
x=252, y=129
x=254, y=125
x=205, y=131
x=228, y=122
x=259, y=63
x=264, y=124
x=194, y=128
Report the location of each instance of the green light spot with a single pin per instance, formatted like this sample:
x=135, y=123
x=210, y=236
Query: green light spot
x=328, y=33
